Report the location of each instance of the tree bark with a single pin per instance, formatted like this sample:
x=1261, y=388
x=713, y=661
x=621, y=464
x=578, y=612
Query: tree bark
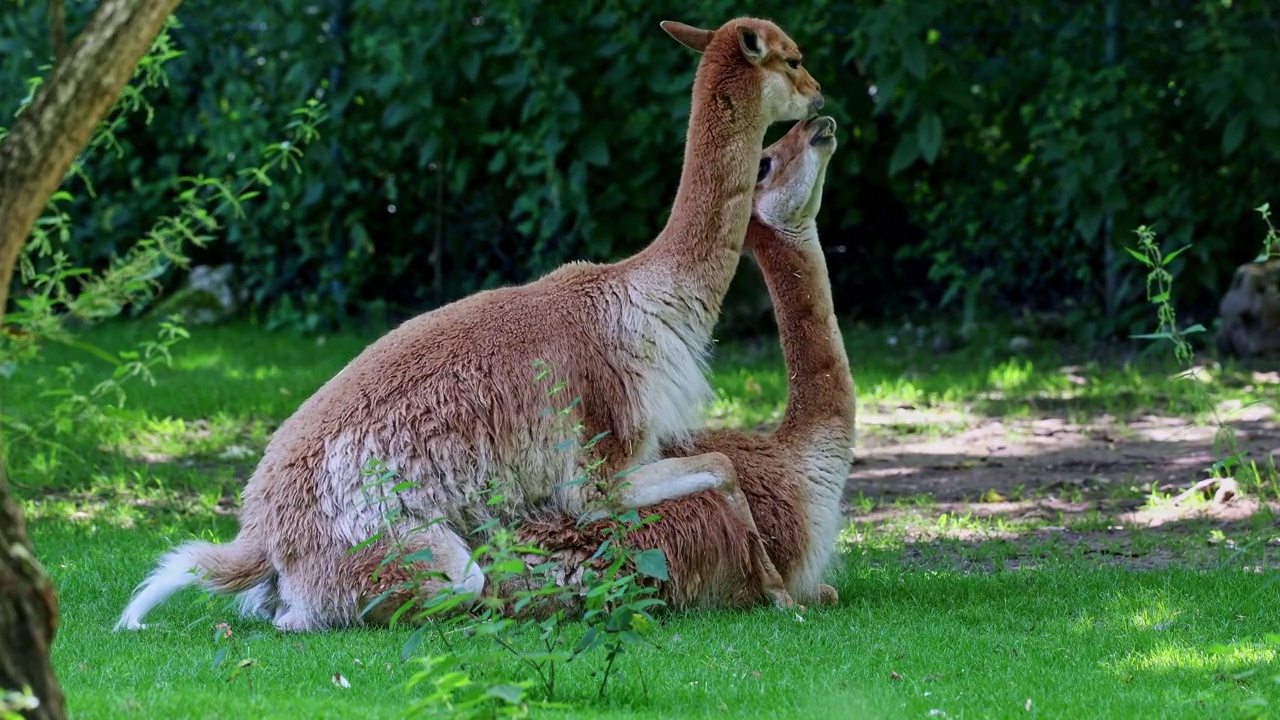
x=28, y=613
x=34, y=159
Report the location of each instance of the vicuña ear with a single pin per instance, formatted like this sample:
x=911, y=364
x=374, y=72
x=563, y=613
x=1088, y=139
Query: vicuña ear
x=687, y=35
x=752, y=46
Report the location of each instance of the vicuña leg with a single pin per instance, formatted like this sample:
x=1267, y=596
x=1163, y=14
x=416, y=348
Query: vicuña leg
x=407, y=577
x=675, y=478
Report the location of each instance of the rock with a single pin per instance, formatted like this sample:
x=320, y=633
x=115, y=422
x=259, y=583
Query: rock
x=1250, y=311
x=1019, y=344
x=207, y=296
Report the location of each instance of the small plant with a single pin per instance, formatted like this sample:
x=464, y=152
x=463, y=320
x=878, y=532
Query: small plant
x=1159, y=288
x=529, y=594
x=1270, y=241
x=453, y=693
x=617, y=603
x=232, y=654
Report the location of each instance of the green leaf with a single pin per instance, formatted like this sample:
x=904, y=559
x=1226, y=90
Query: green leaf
x=914, y=59
x=589, y=640
x=1169, y=258
x=1197, y=328
x=424, y=555
x=411, y=644
x=929, y=135
x=219, y=656
x=1233, y=135
x=1141, y=257
x=906, y=153
x=652, y=562
x=510, y=694
x=631, y=638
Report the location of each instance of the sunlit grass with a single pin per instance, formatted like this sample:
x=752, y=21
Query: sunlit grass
x=906, y=640
x=943, y=614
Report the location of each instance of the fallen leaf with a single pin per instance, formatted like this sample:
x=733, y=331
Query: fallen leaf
x=340, y=681
x=991, y=496
x=893, y=675
x=755, y=674
x=1028, y=704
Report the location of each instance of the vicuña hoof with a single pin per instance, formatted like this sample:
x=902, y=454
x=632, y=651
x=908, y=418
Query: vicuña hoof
x=782, y=600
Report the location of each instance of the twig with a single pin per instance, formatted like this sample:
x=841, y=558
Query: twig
x=1228, y=488
x=58, y=30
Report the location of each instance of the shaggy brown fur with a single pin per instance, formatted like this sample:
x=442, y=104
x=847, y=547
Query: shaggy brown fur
x=448, y=398
x=793, y=478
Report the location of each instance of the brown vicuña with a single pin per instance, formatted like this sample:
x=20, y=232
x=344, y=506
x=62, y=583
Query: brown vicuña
x=793, y=478
x=448, y=398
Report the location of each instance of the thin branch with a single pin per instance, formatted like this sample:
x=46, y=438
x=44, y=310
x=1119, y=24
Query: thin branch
x=58, y=30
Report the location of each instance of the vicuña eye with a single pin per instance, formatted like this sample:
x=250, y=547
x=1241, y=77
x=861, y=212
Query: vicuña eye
x=766, y=164
x=794, y=64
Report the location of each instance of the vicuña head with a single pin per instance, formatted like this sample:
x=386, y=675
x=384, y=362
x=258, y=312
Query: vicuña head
x=789, y=183
x=786, y=89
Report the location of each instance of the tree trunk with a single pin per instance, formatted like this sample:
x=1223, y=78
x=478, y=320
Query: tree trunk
x=28, y=613
x=34, y=158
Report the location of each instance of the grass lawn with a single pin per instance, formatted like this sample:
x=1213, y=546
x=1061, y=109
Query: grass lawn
x=1036, y=578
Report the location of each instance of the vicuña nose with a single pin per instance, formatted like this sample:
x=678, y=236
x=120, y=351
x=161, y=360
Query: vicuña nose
x=816, y=103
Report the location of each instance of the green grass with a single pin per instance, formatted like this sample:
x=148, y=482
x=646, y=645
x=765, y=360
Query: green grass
x=1068, y=635
x=945, y=624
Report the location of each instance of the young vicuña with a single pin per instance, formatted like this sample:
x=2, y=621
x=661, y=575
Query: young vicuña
x=448, y=400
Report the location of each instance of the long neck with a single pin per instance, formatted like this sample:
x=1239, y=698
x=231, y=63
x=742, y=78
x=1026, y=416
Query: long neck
x=696, y=255
x=820, y=392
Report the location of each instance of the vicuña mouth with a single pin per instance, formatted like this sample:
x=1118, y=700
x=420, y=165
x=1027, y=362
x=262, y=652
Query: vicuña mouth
x=824, y=130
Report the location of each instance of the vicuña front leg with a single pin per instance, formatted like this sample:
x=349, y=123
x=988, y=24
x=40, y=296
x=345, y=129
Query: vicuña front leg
x=675, y=478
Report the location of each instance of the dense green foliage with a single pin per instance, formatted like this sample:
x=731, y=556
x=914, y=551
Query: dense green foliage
x=476, y=143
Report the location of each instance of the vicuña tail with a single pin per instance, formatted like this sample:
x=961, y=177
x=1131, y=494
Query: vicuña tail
x=229, y=568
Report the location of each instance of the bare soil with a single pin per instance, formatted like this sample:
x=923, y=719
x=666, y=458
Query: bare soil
x=1093, y=487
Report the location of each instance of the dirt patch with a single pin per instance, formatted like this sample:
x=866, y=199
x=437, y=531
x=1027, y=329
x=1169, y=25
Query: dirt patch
x=1015, y=457
x=1085, y=488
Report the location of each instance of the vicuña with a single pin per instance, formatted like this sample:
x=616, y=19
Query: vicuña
x=448, y=400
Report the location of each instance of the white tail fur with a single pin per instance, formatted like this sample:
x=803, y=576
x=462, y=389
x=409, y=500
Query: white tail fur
x=234, y=567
